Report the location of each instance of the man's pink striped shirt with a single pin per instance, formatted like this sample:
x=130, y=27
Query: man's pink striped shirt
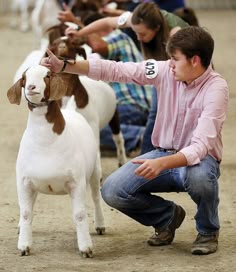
x=189, y=117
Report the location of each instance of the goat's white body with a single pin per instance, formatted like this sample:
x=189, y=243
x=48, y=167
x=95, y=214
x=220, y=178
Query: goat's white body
x=48, y=160
x=102, y=102
x=57, y=163
x=100, y=110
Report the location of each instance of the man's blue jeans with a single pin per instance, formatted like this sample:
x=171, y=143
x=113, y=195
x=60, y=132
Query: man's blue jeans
x=133, y=195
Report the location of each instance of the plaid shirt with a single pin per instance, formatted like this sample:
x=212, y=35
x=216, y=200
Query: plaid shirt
x=122, y=48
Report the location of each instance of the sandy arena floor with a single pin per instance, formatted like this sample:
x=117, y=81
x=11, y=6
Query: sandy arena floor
x=123, y=248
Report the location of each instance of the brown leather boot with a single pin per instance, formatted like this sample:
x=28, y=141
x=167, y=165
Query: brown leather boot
x=166, y=236
x=205, y=244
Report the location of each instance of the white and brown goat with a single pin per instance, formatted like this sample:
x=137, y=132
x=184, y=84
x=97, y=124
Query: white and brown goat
x=57, y=155
x=95, y=100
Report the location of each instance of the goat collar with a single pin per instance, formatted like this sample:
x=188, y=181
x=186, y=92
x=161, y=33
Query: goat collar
x=34, y=105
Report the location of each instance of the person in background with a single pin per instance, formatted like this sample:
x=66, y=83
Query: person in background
x=153, y=28
x=170, y=5
x=130, y=5
x=188, y=15
x=193, y=101
x=78, y=10
x=133, y=100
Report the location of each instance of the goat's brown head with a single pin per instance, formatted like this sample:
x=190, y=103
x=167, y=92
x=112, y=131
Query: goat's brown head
x=68, y=48
x=56, y=32
x=39, y=85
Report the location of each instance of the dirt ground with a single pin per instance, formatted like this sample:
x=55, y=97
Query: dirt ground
x=124, y=247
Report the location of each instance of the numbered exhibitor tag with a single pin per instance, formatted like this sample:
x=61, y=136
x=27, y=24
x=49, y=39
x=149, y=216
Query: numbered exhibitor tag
x=151, y=69
x=123, y=18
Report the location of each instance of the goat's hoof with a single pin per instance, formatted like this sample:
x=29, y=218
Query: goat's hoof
x=87, y=254
x=100, y=231
x=25, y=252
x=24, y=28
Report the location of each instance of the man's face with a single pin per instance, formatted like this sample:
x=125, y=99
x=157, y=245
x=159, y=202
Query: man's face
x=182, y=67
x=144, y=34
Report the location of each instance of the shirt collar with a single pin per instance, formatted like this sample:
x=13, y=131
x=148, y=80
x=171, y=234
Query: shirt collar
x=202, y=77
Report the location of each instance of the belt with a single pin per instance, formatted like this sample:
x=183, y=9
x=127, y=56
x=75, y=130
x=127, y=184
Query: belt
x=168, y=150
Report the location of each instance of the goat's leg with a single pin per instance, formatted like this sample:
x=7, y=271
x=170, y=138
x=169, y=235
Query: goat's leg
x=34, y=196
x=96, y=197
x=14, y=11
x=96, y=132
x=24, y=16
x=118, y=138
x=78, y=196
x=36, y=24
x=26, y=198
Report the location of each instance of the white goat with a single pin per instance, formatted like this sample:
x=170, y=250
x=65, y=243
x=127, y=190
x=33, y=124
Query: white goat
x=21, y=8
x=44, y=16
x=57, y=155
x=99, y=109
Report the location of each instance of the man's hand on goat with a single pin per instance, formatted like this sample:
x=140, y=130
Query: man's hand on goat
x=52, y=62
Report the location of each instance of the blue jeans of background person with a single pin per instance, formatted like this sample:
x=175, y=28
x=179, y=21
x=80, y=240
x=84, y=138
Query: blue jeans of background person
x=170, y=5
x=133, y=195
x=147, y=137
x=133, y=121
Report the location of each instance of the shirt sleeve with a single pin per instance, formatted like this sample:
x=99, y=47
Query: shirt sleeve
x=127, y=72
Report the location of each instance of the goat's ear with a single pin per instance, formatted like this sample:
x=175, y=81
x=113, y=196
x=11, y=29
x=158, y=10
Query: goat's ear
x=53, y=48
x=77, y=43
x=14, y=93
x=58, y=87
x=81, y=51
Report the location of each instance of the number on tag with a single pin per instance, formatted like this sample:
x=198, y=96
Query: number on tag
x=151, y=69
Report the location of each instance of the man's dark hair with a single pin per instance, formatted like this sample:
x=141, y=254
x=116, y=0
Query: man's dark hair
x=192, y=41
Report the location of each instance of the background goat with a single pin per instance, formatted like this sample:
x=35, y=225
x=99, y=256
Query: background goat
x=45, y=14
x=95, y=100
x=21, y=9
x=57, y=155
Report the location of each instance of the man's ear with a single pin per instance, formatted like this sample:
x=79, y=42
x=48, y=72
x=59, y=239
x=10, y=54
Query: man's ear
x=196, y=60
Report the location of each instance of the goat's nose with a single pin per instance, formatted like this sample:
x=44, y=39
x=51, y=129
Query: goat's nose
x=31, y=87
